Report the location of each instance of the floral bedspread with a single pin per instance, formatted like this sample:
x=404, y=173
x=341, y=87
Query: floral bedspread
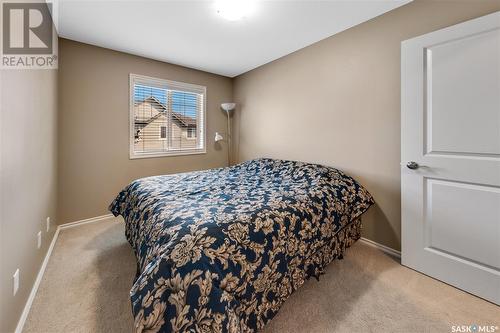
x=221, y=250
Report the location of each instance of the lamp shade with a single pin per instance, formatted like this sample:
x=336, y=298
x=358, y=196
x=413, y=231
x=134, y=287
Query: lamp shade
x=228, y=106
x=218, y=137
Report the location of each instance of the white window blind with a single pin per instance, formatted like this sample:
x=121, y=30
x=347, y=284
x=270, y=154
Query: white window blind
x=166, y=117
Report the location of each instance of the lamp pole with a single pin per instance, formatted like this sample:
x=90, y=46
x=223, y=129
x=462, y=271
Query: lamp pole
x=228, y=107
x=228, y=138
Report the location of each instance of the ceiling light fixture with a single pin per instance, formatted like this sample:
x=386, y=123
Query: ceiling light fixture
x=234, y=10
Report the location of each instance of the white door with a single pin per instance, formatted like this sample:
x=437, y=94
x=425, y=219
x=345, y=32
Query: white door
x=450, y=99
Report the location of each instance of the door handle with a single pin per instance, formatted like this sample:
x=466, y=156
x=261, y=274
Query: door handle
x=412, y=165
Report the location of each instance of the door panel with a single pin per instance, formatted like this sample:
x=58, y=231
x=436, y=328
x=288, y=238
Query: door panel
x=450, y=126
x=462, y=94
x=468, y=230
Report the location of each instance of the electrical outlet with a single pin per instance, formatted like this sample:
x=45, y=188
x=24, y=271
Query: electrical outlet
x=48, y=224
x=39, y=239
x=15, y=277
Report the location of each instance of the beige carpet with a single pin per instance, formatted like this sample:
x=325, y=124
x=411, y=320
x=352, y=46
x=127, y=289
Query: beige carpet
x=85, y=289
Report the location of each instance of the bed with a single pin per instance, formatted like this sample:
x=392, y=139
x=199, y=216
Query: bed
x=221, y=250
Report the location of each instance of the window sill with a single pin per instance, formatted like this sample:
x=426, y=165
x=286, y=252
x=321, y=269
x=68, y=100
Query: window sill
x=134, y=156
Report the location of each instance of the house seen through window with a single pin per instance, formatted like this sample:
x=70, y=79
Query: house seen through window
x=167, y=117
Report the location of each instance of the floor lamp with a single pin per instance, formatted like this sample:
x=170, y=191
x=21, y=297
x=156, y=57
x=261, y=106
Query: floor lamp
x=229, y=108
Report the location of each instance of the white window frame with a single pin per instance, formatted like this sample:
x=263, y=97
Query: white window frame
x=167, y=84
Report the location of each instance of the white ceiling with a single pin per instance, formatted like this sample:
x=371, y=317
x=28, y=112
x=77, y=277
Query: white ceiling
x=192, y=34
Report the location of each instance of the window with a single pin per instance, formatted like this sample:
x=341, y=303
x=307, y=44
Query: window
x=163, y=132
x=191, y=132
x=166, y=117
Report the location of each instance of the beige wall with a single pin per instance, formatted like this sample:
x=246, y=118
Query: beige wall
x=28, y=129
x=337, y=102
x=94, y=162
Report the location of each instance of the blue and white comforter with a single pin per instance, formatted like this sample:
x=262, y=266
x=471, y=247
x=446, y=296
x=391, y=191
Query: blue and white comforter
x=221, y=250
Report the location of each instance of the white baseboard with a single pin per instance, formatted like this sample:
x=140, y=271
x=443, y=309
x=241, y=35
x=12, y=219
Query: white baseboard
x=85, y=221
x=382, y=248
x=31, y=297
x=38, y=280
